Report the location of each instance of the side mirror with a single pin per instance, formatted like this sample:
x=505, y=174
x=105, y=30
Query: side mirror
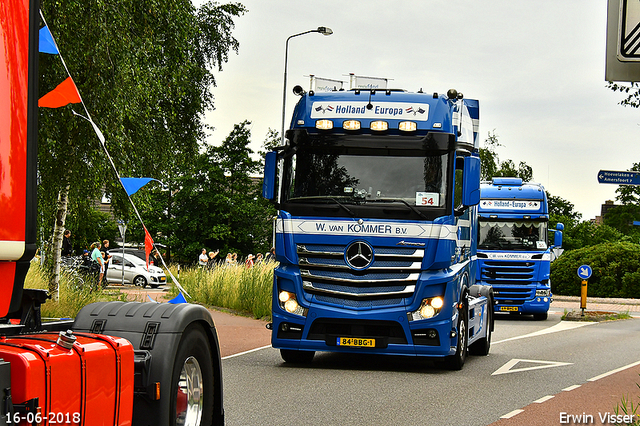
x=557, y=237
x=270, y=173
x=471, y=184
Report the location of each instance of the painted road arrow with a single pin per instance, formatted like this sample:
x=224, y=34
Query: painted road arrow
x=508, y=367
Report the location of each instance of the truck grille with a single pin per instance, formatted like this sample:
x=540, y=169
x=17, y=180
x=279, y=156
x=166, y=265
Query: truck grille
x=498, y=272
x=391, y=277
x=511, y=281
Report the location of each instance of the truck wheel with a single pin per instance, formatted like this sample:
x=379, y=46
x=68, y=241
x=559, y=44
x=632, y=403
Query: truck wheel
x=455, y=362
x=481, y=347
x=540, y=317
x=192, y=380
x=296, y=357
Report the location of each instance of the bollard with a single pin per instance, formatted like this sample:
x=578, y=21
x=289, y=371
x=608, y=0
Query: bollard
x=583, y=296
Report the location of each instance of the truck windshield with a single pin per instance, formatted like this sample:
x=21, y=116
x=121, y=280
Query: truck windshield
x=512, y=235
x=412, y=178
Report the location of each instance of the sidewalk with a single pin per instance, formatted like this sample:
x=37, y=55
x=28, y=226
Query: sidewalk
x=597, y=304
x=596, y=397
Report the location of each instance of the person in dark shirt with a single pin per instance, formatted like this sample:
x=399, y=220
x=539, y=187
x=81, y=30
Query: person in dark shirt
x=107, y=256
x=66, y=244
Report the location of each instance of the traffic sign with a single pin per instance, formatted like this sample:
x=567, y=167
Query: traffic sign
x=584, y=272
x=628, y=46
x=619, y=178
x=622, y=59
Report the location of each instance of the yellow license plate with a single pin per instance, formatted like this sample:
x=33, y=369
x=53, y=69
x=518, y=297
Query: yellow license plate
x=509, y=308
x=354, y=341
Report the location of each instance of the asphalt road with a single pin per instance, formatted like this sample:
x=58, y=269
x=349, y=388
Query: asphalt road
x=528, y=361
x=536, y=371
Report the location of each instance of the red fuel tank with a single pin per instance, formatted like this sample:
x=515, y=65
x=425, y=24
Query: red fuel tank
x=78, y=378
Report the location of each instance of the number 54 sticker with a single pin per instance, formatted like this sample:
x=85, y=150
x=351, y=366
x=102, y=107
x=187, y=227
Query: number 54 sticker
x=427, y=199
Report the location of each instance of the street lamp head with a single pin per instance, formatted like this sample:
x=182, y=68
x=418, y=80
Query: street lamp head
x=325, y=31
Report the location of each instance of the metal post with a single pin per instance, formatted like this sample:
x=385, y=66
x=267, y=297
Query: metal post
x=322, y=30
x=583, y=296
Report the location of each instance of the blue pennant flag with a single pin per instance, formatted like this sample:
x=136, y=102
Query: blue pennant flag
x=131, y=185
x=178, y=299
x=47, y=44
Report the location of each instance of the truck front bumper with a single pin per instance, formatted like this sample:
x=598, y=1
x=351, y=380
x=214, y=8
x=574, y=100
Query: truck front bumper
x=389, y=332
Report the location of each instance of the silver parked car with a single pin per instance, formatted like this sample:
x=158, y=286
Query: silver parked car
x=135, y=271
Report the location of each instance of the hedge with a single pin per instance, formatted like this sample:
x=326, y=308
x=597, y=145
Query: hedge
x=616, y=271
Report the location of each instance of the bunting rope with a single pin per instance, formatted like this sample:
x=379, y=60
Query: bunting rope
x=102, y=140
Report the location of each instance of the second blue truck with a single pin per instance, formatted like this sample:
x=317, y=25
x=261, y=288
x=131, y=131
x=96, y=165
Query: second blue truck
x=514, y=251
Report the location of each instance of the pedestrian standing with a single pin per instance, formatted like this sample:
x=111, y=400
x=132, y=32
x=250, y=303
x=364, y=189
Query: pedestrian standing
x=271, y=256
x=203, y=259
x=249, y=262
x=211, y=263
x=107, y=256
x=154, y=258
x=96, y=256
x=67, y=249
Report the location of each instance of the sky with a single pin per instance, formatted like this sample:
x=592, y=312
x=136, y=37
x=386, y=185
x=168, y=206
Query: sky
x=536, y=67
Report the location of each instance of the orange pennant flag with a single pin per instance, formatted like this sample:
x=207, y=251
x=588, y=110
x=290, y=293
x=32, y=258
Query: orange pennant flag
x=65, y=93
x=148, y=245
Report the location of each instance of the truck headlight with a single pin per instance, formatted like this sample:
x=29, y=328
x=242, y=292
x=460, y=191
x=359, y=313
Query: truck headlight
x=428, y=309
x=289, y=303
x=543, y=293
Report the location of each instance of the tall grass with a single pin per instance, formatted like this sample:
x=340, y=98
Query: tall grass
x=233, y=287
x=71, y=298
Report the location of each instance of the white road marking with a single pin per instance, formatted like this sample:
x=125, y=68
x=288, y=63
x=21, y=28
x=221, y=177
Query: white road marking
x=570, y=388
x=508, y=367
x=245, y=352
x=543, y=399
x=561, y=326
x=511, y=414
x=608, y=373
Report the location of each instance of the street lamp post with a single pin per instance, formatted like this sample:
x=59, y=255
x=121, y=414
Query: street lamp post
x=322, y=30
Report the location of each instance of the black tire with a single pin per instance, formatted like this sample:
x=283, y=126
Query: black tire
x=456, y=361
x=140, y=281
x=296, y=357
x=193, y=359
x=541, y=317
x=481, y=347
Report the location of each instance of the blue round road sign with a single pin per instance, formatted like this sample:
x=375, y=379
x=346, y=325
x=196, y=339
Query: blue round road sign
x=584, y=272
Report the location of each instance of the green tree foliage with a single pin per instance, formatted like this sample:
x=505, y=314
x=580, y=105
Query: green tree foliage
x=143, y=70
x=587, y=234
x=622, y=217
x=563, y=211
x=616, y=270
x=217, y=204
x=629, y=194
x=491, y=166
x=631, y=91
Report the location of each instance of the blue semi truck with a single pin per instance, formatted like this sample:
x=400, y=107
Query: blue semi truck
x=514, y=253
x=377, y=194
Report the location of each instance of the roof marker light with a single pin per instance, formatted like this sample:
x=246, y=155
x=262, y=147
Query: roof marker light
x=351, y=125
x=379, y=126
x=408, y=126
x=324, y=124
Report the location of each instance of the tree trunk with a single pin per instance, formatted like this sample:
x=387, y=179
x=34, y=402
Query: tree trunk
x=56, y=244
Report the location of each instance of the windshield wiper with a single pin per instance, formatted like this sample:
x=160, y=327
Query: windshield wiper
x=303, y=199
x=400, y=200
